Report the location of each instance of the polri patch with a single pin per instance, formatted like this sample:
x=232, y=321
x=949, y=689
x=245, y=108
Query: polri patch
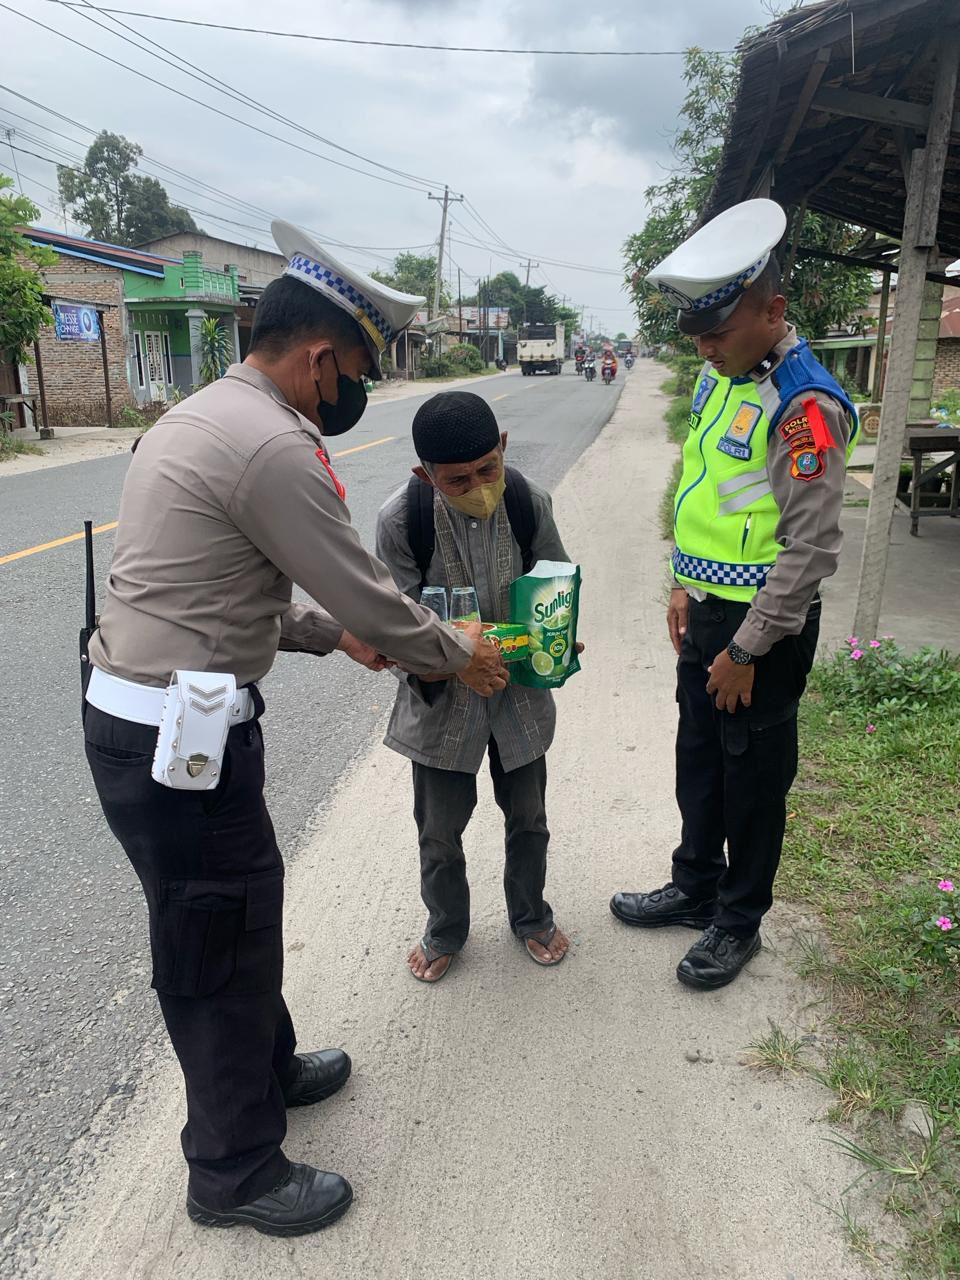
x=794, y=430
x=735, y=442
x=806, y=464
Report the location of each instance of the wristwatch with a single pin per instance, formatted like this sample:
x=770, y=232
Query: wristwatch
x=739, y=656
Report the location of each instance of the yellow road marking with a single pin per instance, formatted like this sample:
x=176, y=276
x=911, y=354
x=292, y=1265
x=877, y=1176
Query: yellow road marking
x=105, y=528
x=503, y=397
x=360, y=447
x=57, y=542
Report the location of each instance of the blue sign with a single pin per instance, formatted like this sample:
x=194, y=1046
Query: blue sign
x=75, y=323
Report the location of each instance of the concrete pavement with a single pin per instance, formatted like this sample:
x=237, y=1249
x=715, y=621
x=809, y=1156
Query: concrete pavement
x=595, y=1120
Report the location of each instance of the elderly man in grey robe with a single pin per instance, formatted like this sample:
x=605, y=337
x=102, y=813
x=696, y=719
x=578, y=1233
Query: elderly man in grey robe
x=465, y=519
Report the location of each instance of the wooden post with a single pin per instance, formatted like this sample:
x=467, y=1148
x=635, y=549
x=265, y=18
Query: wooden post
x=924, y=187
x=46, y=433
x=106, y=368
x=881, y=337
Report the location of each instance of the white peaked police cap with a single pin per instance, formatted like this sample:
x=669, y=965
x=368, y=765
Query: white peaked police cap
x=381, y=313
x=708, y=274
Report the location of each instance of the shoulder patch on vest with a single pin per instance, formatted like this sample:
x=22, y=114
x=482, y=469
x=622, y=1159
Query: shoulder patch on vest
x=704, y=391
x=735, y=441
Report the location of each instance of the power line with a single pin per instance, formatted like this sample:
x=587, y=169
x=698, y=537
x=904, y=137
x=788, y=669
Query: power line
x=142, y=75
x=513, y=254
x=210, y=81
x=200, y=213
x=211, y=192
x=396, y=44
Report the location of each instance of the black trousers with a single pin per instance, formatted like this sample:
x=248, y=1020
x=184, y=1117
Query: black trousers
x=212, y=876
x=734, y=771
x=444, y=801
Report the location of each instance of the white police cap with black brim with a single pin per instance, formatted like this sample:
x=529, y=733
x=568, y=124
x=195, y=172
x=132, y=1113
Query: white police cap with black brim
x=381, y=313
x=708, y=274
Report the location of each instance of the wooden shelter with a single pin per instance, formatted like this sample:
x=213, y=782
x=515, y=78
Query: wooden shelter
x=849, y=108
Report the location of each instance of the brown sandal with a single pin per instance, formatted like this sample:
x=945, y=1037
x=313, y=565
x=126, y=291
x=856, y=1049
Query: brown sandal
x=430, y=956
x=544, y=939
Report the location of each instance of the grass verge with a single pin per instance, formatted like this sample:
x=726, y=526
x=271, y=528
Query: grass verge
x=11, y=448
x=873, y=829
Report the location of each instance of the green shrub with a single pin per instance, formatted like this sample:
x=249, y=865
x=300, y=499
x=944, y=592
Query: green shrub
x=466, y=358
x=879, y=678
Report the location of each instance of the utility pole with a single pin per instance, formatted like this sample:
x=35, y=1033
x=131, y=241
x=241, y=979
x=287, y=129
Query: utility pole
x=460, y=304
x=9, y=135
x=447, y=199
x=529, y=265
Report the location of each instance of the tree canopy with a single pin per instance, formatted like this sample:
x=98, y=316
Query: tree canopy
x=820, y=295
x=116, y=203
x=22, y=312
x=413, y=273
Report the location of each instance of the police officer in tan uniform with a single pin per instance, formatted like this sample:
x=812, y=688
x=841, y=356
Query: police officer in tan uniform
x=228, y=501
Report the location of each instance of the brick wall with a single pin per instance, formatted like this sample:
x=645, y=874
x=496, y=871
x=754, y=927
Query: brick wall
x=946, y=373
x=73, y=371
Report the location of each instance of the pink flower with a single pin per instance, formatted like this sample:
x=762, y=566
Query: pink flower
x=946, y=886
x=857, y=655
x=874, y=644
x=871, y=728
x=944, y=923
x=887, y=637
x=852, y=640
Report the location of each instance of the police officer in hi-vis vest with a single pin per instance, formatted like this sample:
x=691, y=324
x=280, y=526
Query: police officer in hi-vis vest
x=229, y=500
x=757, y=526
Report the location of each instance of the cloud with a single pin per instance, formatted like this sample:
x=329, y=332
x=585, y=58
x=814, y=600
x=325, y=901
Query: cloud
x=555, y=153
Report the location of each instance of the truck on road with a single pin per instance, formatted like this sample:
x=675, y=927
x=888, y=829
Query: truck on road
x=540, y=348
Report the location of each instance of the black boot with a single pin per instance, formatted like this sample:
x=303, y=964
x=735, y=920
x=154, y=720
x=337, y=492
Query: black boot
x=716, y=959
x=662, y=907
x=306, y=1200
x=321, y=1074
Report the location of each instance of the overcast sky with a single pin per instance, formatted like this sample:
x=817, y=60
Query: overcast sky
x=553, y=153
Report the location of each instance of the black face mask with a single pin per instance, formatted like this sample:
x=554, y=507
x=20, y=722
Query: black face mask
x=348, y=410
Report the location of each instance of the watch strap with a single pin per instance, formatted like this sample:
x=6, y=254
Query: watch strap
x=739, y=655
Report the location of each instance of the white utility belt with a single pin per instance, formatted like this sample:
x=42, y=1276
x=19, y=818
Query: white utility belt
x=193, y=716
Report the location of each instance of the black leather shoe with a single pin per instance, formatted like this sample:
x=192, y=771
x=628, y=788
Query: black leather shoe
x=321, y=1074
x=662, y=907
x=306, y=1200
x=716, y=959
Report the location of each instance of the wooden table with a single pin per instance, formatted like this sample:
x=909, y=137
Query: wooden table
x=926, y=440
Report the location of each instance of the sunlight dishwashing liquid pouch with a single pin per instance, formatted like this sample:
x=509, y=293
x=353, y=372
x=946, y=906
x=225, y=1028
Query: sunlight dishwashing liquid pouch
x=546, y=601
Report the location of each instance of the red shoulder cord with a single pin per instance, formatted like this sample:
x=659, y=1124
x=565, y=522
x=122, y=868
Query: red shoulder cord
x=822, y=435
x=341, y=491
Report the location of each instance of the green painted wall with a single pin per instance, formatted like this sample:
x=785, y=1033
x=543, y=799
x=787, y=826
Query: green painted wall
x=186, y=280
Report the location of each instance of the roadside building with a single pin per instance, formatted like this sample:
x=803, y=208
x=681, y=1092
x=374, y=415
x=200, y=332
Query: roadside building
x=150, y=308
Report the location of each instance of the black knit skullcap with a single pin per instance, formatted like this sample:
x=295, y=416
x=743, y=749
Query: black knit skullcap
x=454, y=426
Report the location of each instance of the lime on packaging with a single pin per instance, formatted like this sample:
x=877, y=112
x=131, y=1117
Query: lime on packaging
x=545, y=602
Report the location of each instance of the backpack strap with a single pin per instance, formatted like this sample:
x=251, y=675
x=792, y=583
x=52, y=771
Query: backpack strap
x=421, y=535
x=420, y=531
x=520, y=513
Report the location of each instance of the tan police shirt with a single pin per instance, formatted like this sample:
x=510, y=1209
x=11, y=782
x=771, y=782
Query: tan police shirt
x=226, y=504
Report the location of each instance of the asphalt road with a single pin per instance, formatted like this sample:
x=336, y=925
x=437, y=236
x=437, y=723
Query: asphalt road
x=78, y=1018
